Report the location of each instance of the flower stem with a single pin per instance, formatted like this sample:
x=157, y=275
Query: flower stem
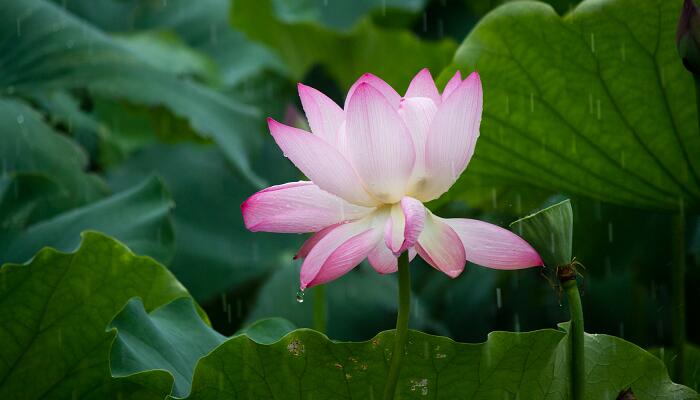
x=320, y=308
x=578, y=366
x=401, y=335
x=678, y=294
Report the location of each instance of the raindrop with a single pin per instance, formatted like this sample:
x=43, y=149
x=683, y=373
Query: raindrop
x=516, y=322
x=622, y=51
x=499, y=303
x=20, y=119
x=300, y=296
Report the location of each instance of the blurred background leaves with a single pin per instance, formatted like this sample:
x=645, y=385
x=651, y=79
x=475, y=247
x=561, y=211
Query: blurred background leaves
x=150, y=114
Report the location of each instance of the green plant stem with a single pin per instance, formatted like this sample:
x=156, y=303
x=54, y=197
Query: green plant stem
x=578, y=366
x=696, y=78
x=320, y=308
x=401, y=335
x=678, y=294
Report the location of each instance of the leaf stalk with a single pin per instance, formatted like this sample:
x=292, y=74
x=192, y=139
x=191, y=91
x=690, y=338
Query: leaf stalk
x=401, y=334
x=576, y=335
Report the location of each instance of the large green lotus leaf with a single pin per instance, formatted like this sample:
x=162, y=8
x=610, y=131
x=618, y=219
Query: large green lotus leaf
x=64, y=112
x=21, y=195
x=54, y=311
x=268, y=330
x=395, y=55
x=203, y=25
x=305, y=364
x=138, y=217
x=214, y=251
x=29, y=146
x=340, y=15
x=596, y=103
x=692, y=362
x=166, y=51
x=132, y=127
x=359, y=304
x=47, y=48
x=172, y=338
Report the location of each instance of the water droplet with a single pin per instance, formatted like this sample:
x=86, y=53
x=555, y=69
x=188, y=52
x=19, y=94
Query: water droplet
x=20, y=119
x=300, y=296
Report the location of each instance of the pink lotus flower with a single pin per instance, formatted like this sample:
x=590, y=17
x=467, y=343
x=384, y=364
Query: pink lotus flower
x=371, y=167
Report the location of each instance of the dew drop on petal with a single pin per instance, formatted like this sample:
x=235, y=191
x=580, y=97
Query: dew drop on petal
x=300, y=296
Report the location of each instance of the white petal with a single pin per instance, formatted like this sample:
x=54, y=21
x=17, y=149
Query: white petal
x=323, y=114
x=321, y=162
x=339, y=251
x=452, y=85
x=384, y=88
x=492, y=246
x=418, y=114
x=378, y=144
x=297, y=207
x=440, y=247
x=452, y=137
x=423, y=85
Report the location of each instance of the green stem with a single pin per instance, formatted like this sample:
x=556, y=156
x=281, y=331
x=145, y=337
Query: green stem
x=320, y=308
x=678, y=295
x=696, y=78
x=401, y=335
x=578, y=367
